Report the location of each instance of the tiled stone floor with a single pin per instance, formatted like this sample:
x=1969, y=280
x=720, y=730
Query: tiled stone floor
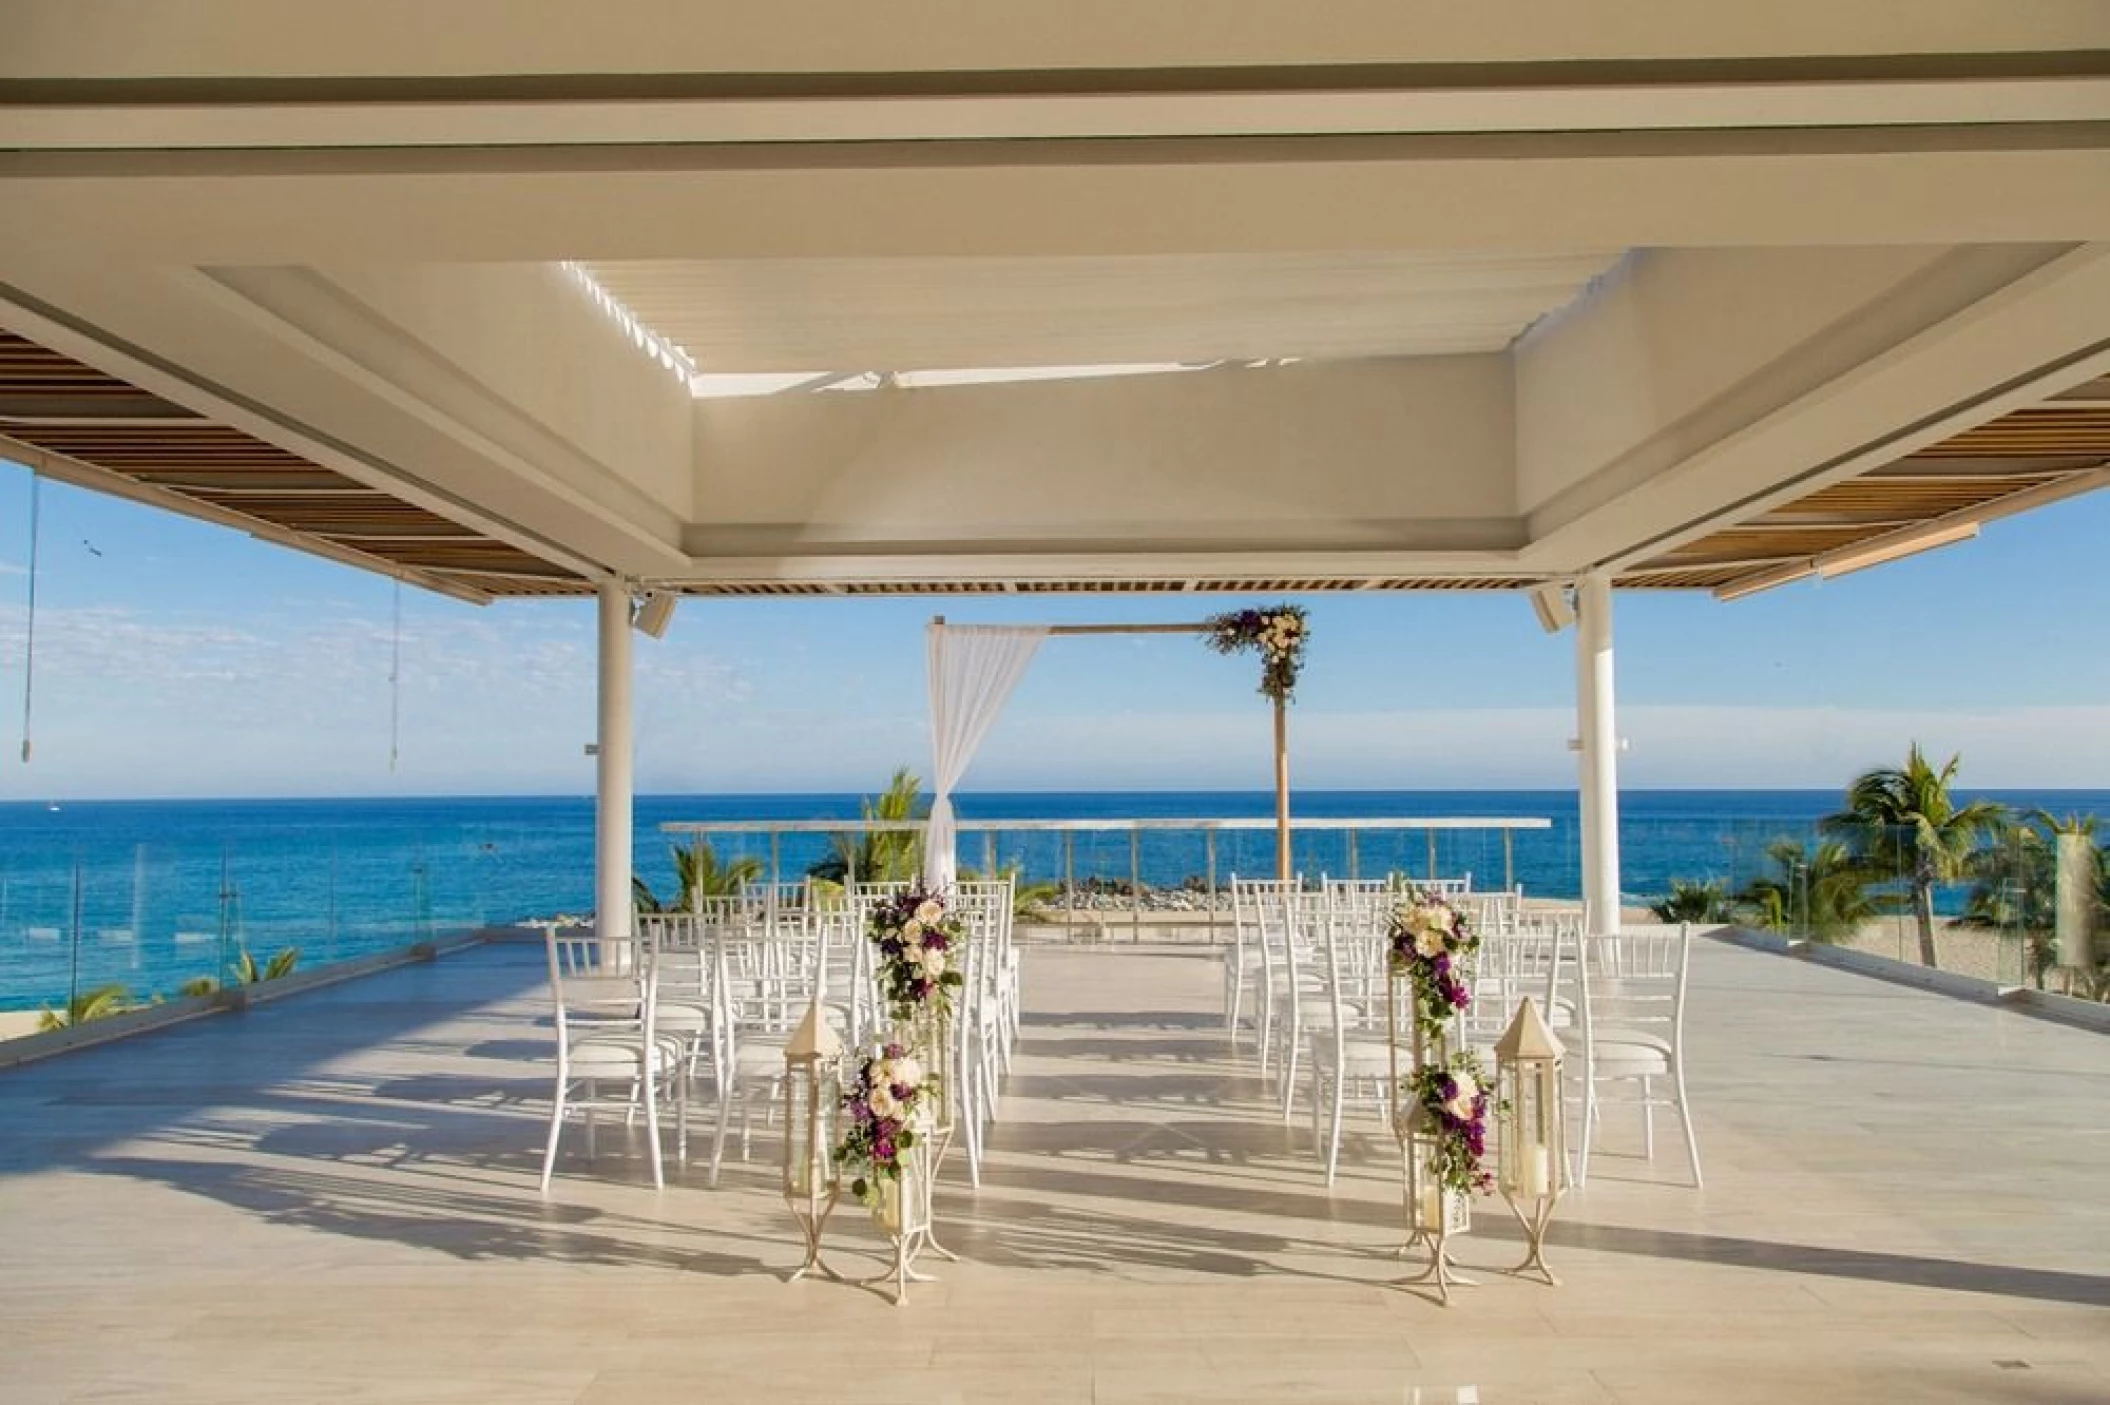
x=333, y=1199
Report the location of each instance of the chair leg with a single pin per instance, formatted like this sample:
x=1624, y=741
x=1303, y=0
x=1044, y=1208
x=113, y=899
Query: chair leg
x=649, y=1095
x=725, y=1113
x=556, y=1126
x=1290, y=1072
x=1333, y=1140
x=1589, y=1121
x=1692, y=1143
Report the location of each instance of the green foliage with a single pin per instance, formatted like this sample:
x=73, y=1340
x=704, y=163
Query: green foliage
x=1902, y=823
x=881, y=856
x=1029, y=901
x=1821, y=893
x=1692, y=902
x=97, y=1004
x=700, y=873
x=246, y=972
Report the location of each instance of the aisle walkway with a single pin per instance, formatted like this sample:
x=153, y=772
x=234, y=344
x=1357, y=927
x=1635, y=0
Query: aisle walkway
x=334, y=1199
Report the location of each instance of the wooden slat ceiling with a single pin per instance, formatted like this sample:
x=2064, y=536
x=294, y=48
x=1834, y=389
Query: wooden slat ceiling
x=86, y=417
x=1970, y=472
x=53, y=403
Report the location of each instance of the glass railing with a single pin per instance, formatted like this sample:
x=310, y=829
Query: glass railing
x=94, y=931
x=87, y=908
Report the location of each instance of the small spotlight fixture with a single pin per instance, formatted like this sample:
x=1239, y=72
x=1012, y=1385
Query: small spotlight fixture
x=655, y=613
x=1551, y=604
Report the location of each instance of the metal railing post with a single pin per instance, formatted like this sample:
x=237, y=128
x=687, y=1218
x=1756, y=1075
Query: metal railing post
x=1069, y=878
x=1209, y=849
x=1509, y=859
x=1135, y=885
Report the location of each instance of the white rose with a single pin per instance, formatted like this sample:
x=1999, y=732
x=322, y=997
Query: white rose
x=1461, y=1104
x=909, y=1071
x=912, y=932
x=930, y=911
x=1441, y=918
x=933, y=964
x=1428, y=943
x=882, y=1102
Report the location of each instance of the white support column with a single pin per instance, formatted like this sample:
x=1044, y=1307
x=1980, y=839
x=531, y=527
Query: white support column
x=612, y=769
x=1598, y=726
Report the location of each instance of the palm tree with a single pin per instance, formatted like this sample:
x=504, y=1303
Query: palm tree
x=1822, y=890
x=700, y=873
x=96, y=1004
x=881, y=856
x=1903, y=823
x=1692, y=902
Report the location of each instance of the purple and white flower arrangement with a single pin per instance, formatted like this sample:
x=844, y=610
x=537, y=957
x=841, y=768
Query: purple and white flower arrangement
x=920, y=950
x=1454, y=1101
x=1431, y=942
x=1279, y=633
x=882, y=1105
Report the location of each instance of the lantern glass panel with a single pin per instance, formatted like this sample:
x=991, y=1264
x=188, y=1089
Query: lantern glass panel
x=799, y=1119
x=1530, y=1141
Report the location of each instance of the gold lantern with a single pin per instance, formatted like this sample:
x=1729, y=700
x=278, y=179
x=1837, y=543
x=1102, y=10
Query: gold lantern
x=1533, y=1159
x=812, y=1097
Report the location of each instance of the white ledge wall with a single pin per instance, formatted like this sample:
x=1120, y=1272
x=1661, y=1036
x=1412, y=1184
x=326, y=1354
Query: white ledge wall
x=1366, y=455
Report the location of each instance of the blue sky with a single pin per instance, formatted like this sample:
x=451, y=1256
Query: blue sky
x=175, y=658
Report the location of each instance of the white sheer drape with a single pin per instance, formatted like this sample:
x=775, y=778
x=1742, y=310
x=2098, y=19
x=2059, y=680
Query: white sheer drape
x=973, y=669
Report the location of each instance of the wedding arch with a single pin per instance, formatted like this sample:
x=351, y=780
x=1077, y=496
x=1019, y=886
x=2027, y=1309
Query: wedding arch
x=974, y=668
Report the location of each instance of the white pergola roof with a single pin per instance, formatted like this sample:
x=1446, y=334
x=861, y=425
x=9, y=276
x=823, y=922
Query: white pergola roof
x=820, y=315
x=1682, y=294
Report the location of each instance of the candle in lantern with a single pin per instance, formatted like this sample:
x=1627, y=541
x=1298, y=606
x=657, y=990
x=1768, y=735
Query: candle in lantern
x=1534, y=1175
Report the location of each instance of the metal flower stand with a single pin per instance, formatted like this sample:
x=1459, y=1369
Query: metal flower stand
x=931, y=1037
x=903, y=1216
x=904, y=1210
x=1434, y=1213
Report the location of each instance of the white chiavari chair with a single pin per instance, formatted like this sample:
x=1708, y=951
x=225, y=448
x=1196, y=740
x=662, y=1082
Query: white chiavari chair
x=1631, y=1012
x=1350, y=1054
x=610, y=1055
x=1258, y=907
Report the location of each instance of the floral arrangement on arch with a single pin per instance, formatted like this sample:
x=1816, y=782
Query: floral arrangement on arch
x=1454, y=1102
x=1431, y=943
x=1279, y=633
x=883, y=1102
x=919, y=946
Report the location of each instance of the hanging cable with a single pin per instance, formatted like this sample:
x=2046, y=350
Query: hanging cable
x=395, y=684
x=29, y=652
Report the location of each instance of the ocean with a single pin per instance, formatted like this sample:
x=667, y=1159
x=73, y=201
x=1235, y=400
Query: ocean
x=161, y=891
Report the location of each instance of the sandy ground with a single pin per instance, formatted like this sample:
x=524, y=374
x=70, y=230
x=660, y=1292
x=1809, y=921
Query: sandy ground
x=14, y=1023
